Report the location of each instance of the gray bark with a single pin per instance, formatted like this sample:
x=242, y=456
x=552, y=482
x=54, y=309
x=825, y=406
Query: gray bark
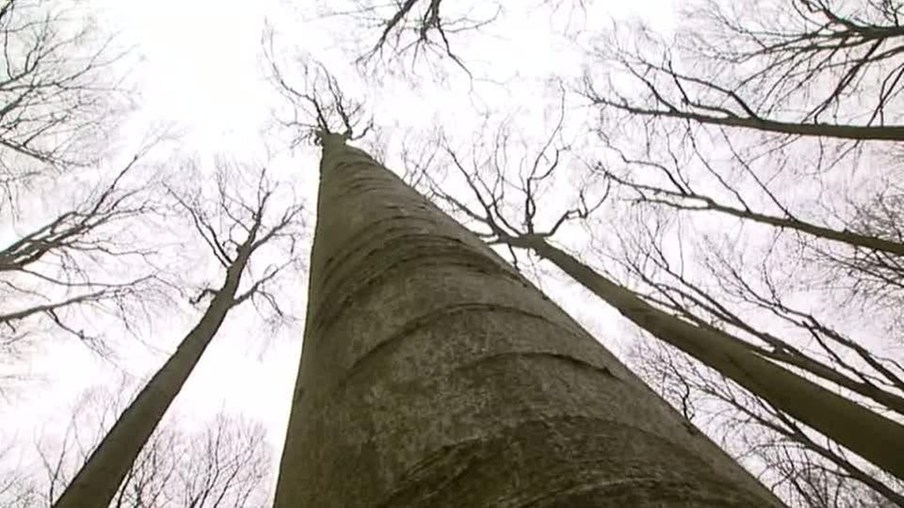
x=872, y=436
x=433, y=374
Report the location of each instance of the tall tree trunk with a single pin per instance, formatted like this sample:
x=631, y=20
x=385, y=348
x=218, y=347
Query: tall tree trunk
x=433, y=374
x=872, y=436
x=98, y=480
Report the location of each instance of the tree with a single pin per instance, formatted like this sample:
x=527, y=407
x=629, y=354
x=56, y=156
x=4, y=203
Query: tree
x=506, y=211
x=756, y=305
x=58, y=88
x=71, y=254
x=233, y=469
x=225, y=462
x=398, y=37
x=88, y=260
x=57, y=255
x=838, y=418
x=761, y=136
x=809, y=68
x=236, y=230
x=804, y=469
x=433, y=374
x=15, y=490
x=871, y=261
x=420, y=29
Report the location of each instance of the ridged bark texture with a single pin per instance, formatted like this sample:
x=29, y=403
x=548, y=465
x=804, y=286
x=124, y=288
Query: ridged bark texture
x=871, y=435
x=434, y=375
x=99, y=479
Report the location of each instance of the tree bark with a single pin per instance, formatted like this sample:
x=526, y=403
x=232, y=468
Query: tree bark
x=872, y=436
x=99, y=479
x=433, y=374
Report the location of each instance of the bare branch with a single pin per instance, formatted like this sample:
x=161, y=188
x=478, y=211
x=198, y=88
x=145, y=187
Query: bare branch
x=318, y=103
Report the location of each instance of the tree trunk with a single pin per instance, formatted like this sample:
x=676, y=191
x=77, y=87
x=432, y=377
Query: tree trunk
x=872, y=436
x=99, y=479
x=433, y=374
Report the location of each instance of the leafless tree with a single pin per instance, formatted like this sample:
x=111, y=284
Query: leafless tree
x=416, y=39
x=757, y=147
x=806, y=68
x=58, y=90
x=505, y=210
x=225, y=463
x=16, y=489
x=726, y=299
x=748, y=105
x=418, y=31
x=392, y=277
x=868, y=257
x=320, y=105
x=804, y=469
x=253, y=245
x=90, y=264
x=233, y=469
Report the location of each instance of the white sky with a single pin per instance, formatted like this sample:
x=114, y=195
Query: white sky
x=199, y=71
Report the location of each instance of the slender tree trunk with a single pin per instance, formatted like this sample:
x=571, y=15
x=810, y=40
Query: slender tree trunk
x=821, y=370
x=433, y=374
x=98, y=480
x=872, y=436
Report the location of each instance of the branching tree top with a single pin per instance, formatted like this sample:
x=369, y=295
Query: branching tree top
x=319, y=106
x=808, y=68
x=86, y=257
x=508, y=180
x=407, y=32
x=58, y=85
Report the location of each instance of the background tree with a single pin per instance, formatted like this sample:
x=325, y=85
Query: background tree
x=810, y=68
x=86, y=259
x=224, y=462
x=416, y=29
x=434, y=40
x=237, y=228
x=750, y=159
x=734, y=358
x=59, y=88
x=69, y=215
x=805, y=470
x=510, y=186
